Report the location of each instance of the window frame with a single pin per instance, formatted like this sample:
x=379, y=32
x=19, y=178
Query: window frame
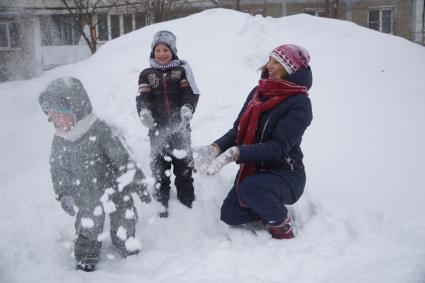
x=9, y=37
x=380, y=22
x=111, y=21
x=121, y=27
x=142, y=18
x=57, y=26
x=131, y=23
x=423, y=18
x=98, y=30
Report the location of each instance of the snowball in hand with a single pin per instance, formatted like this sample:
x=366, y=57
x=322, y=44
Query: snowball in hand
x=179, y=153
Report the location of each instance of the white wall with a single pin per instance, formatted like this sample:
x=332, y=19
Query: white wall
x=418, y=22
x=63, y=54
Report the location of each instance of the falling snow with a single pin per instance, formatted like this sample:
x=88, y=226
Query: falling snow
x=98, y=211
x=129, y=214
x=133, y=244
x=109, y=207
x=102, y=236
x=87, y=222
x=122, y=233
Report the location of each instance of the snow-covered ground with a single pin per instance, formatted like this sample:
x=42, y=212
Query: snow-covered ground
x=361, y=219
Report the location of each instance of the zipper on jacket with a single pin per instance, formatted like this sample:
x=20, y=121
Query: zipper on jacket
x=290, y=162
x=264, y=129
x=167, y=102
x=265, y=126
x=288, y=159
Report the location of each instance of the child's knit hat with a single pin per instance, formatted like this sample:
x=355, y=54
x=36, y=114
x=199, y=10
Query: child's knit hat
x=292, y=57
x=165, y=37
x=66, y=94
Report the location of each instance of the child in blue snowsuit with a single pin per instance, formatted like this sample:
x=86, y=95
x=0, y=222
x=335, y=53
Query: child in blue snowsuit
x=87, y=158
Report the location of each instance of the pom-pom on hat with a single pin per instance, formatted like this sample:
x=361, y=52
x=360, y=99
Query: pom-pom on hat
x=292, y=57
x=165, y=37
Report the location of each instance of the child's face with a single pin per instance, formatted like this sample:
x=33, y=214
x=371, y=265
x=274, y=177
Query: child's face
x=62, y=120
x=163, y=54
x=276, y=70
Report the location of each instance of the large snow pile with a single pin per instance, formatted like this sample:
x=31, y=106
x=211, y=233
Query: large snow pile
x=361, y=219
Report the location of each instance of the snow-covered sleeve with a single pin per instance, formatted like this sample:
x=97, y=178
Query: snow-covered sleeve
x=61, y=177
x=114, y=149
x=144, y=99
x=189, y=88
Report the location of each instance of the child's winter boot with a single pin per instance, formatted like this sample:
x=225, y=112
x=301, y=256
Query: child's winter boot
x=186, y=195
x=282, y=231
x=86, y=253
x=162, y=195
x=87, y=267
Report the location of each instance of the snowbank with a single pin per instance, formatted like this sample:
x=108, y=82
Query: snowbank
x=362, y=217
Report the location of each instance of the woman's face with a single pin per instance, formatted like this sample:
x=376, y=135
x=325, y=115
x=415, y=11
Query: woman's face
x=163, y=54
x=61, y=120
x=276, y=70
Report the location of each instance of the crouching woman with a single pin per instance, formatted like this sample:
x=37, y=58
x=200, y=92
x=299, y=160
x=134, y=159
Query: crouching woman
x=265, y=140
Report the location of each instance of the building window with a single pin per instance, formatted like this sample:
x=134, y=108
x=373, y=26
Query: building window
x=381, y=19
x=315, y=12
x=254, y=11
x=139, y=20
x=128, y=23
x=102, y=27
x=113, y=26
x=59, y=30
x=10, y=36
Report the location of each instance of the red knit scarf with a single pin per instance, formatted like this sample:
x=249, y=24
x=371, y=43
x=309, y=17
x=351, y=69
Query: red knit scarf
x=269, y=94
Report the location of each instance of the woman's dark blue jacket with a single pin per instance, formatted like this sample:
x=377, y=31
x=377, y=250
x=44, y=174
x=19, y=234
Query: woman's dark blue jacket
x=279, y=133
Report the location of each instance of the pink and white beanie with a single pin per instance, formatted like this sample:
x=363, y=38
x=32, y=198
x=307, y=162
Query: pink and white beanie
x=292, y=57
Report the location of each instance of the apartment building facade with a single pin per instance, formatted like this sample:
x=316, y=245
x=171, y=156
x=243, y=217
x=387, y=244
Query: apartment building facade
x=403, y=18
x=36, y=35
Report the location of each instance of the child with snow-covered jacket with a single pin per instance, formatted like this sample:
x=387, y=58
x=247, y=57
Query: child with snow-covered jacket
x=167, y=99
x=265, y=140
x=87, y=158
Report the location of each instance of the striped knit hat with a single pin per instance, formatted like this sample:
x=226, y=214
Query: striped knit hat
x=292, y=57
x=165, y=37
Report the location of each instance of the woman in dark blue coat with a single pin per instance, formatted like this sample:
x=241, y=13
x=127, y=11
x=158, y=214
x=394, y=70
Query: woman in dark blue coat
x=265, y=140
